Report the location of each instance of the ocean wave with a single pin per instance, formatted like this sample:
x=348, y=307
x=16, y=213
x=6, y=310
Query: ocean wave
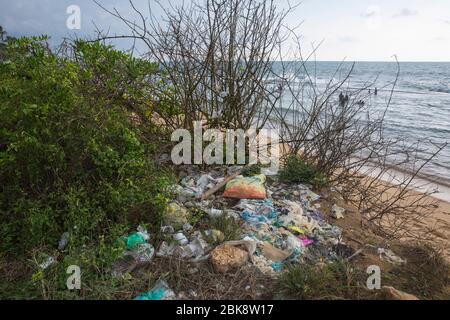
x=440, y=90
x=397, y=126
x=443, y=88
x=420, y=106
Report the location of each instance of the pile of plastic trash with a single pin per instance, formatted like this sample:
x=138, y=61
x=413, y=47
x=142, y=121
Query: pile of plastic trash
x=282, y=225
x=286, y=227
x=281, y=231
x=287, y=232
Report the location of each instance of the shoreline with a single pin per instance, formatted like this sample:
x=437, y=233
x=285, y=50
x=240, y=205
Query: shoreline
x=421, y=183
x=422, y=179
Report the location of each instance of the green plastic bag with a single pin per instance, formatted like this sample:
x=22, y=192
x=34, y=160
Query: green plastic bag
x=135, y=239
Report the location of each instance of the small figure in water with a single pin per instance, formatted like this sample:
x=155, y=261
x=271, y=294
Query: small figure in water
x=346, y=99
x=280, y=88
x=341, y=99
x=376, y=91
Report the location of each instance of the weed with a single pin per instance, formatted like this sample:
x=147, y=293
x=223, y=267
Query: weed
x=231, y=229
x=426, y=273
x=297, y=170
x=334, y=281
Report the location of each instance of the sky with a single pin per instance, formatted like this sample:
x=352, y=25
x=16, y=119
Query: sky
x=354, y=30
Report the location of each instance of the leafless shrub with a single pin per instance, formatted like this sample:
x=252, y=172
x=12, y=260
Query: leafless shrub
x=394, y=199
x=337, y=129
x=218, y=58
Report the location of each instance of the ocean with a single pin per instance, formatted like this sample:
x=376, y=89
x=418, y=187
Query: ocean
x=420, y=107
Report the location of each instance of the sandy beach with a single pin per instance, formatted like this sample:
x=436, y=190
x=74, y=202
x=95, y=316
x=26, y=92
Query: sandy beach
x=441, y=221
x=438, y=223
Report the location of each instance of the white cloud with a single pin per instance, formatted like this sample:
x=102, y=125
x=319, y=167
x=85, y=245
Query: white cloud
x=359, y=30
x=406, y=13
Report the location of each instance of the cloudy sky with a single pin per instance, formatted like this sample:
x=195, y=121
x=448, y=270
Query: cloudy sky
x=360, y=30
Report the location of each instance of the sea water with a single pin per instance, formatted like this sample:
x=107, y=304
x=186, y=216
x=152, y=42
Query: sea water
x=420, y=105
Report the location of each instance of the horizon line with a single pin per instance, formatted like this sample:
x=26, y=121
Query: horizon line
x=373, y=61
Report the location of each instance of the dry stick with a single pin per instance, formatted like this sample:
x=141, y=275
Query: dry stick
x=219, y=186
x=358, y=252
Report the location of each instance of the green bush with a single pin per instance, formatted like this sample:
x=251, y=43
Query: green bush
x=71, y=157
x=296, y=170
x=252, y=170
